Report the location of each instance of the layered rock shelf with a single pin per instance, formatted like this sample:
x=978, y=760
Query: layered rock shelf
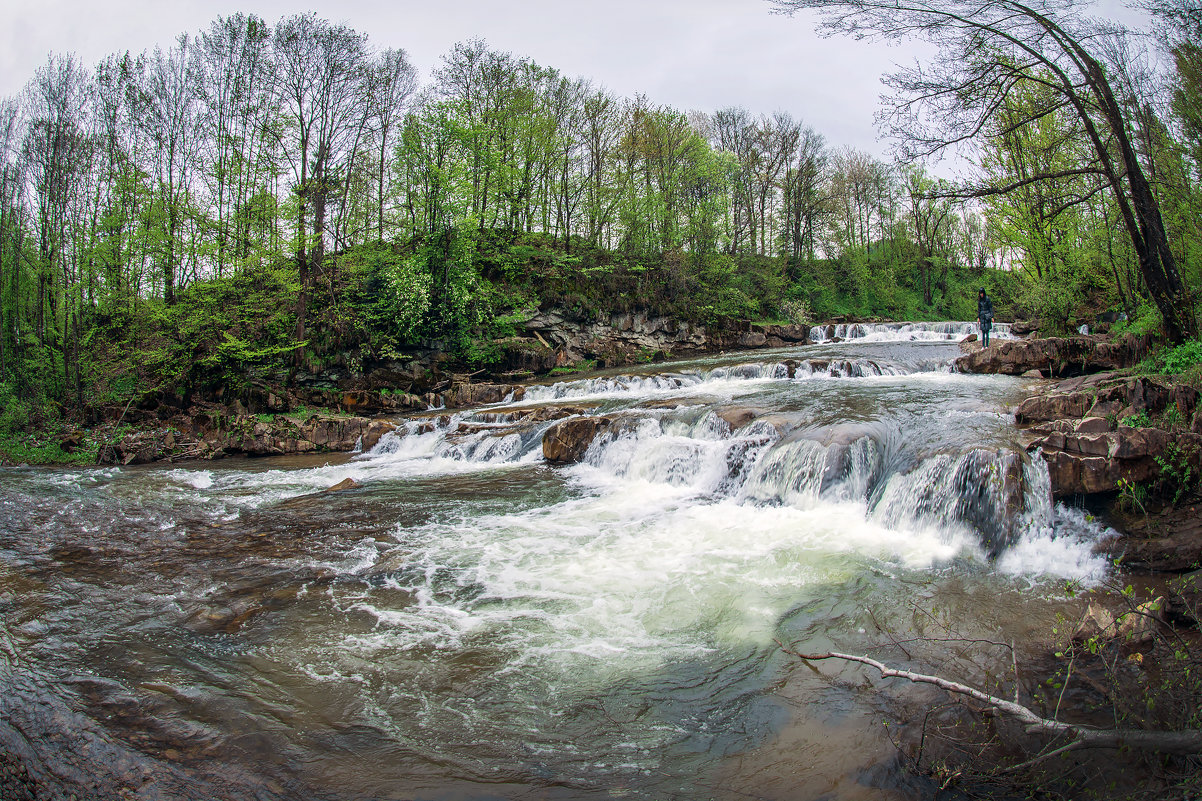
x=1097, y=436
x=1056, y=357
x=1095, y=432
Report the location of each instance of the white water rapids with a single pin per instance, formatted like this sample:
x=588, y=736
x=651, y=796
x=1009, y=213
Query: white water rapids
x=470, y=622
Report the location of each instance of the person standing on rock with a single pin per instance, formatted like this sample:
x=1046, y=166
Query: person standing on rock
x=984, y=316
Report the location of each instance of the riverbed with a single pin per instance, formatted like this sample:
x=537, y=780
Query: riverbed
x=470, y=622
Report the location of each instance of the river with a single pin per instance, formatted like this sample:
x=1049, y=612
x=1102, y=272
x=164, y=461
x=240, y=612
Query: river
x=469, y=622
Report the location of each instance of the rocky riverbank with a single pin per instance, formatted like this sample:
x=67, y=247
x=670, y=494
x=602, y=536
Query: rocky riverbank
x=1129, y=445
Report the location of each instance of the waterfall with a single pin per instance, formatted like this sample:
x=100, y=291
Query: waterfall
x=902, y=332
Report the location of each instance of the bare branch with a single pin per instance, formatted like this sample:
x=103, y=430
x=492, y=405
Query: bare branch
x=1187, y=741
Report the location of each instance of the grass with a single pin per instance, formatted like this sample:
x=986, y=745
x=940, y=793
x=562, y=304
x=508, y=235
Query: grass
x=31, y=449
x=585, y=366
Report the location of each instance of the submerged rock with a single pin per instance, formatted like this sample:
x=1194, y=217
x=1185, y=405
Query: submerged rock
x=1170, y=541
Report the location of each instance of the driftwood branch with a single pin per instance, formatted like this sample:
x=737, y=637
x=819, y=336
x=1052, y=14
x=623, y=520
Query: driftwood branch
x=1188, y=741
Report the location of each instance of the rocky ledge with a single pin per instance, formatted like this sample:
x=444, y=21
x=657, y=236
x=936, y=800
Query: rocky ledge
x=555, y=339
x=1098, y=430
x=1135, y=443
x=214, y=434
x=1056, y=357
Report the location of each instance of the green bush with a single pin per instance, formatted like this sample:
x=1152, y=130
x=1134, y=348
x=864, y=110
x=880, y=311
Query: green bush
x=1178, y=360
x=15, y=414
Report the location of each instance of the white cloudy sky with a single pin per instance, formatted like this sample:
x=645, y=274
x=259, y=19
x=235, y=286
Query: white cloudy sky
x=689, y=54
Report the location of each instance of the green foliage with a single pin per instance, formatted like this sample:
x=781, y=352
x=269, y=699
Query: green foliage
x=1147, y=321
x=15, y=412
x=1139, y=419
x=1053, y=302
x=584, y=366
x=1182, y=358
x=1132, y=496
x=387, y=294
x=1177, y=478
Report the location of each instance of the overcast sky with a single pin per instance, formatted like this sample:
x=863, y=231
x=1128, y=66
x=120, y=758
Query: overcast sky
x=688, y=54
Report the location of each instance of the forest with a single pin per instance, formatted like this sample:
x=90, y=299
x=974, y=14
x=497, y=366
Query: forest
x=287, y=196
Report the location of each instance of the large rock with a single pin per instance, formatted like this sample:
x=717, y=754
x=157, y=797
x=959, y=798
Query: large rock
x=1170, y=541
x=786, y=333
x=636, y=337
x=1104, y=396
x=465, y=393
x=1056, y=357
x=1078, y=428
x=375, y=431
x=567, y=441
x=1083, y=464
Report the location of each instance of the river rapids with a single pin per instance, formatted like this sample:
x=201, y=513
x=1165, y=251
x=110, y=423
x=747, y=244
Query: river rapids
x=469, y=622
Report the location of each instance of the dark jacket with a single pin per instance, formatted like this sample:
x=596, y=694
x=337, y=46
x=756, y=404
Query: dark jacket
x=984, y=309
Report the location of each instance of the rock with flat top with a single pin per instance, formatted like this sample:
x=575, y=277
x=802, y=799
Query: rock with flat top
x=567, y=441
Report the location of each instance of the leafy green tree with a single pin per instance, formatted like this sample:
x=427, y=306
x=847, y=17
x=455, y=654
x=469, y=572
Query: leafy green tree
x=988, y=50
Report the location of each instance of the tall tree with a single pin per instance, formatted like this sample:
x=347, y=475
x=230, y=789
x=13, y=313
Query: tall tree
x=235, y=61
x=171, y=119
x=986, y=50
x=56, y=150
x=321, y=78
x=392, y=79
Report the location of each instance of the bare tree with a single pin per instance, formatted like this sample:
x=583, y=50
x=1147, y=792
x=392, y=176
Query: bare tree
x=987, y=50
x=236, y=73
x=321, y=72
x=392, y=81
x=11, y=179
x=171, y=119
x=805, y=195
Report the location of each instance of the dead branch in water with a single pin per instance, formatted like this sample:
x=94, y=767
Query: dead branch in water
x=1184, y=742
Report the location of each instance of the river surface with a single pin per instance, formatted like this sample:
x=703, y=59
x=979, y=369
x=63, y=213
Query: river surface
x=471, y=623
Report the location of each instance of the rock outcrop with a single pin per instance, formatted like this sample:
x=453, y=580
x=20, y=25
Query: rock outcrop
x=567, y=441
x=1056, y=357
x=1110, y=396
x=1080, y=428
x=623, y=339
x=210, y=434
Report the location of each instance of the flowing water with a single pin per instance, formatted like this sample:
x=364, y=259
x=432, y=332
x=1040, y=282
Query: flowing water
x=469, y=622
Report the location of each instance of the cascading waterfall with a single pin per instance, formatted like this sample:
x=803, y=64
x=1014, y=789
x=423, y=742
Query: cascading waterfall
x=902, y=332
x=737, y=378
x=990, y=497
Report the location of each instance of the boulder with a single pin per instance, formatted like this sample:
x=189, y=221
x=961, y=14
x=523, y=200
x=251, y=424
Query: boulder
x=1142, y=623
x=465, y=393
x=784, y=333
x=752, y=339
x=1096, y=622
x=375, y=430
x=344, y=484
x=567, y=441
x=737, y=417
x=1092, y=425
